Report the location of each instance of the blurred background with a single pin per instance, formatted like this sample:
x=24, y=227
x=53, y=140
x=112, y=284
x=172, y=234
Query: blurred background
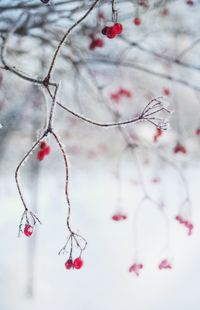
x=133, y=188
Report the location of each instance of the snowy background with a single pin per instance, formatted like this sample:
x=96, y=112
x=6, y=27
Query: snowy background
x=33, y=266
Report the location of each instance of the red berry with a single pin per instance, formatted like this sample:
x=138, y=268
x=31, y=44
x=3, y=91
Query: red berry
x=190, y=228
x=115, y=97
x=116, y=217
x=158, y=134
x=118, y=28
x=136, y=268
x=125, y=92
x=104, y=31
x=92, y=45
x=96, y=43
x=99, y=42
x=119, y=217
x=40, y=155
x=198, y=131
x=180, y=149
x=164, y=264
x=166, y=92
x=159, y=131
x=137, y=21
x=43, y=145
x=190, y=2
x=47, y=150
x=69, y=264
x=178, y=218
x=78, y=263
x=111, y=32
x=28, y=230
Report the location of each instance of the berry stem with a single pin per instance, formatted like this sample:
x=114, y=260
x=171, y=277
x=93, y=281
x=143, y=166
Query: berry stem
x=66, y=179
x=114, y=12
x=47, y=78
x=19, y=166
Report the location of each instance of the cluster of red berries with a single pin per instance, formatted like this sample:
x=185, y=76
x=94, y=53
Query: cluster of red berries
x=112, y=31
x=165, y=264
x=159, y=133
x=119, y=217
x=96, y=43
x=122, y=92
x=44, y=150
x=179, y=148
x=28, y=230
x=186, y=223
x=76, y=264
x=137, y=21
x=135, y=268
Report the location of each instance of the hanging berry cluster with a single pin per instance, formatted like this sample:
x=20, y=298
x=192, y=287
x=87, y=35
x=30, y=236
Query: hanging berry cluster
x=74, y=240
x=96, y=43
x=76, y=264
x=186, y=223
x=119, y=217
x=136, y=267
x=27, y=223
x=165, y=264
x=122, y=92
x=112, y=31
x=179, y=148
